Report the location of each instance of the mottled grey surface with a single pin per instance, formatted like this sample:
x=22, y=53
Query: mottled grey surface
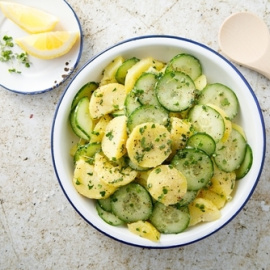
x=39, y=229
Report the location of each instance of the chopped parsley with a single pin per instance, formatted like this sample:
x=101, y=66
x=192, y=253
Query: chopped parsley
x=200, y=206
x=147, y=146
x=109, y=135
x=102, y=193
x=142, y=129
x=225, y=102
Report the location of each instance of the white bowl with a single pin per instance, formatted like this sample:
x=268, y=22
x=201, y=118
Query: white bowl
x=217, y=69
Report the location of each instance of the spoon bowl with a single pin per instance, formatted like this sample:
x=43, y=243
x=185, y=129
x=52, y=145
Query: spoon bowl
x=244, y=38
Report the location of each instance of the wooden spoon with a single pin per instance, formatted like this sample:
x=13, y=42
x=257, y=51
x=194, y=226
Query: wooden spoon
x=244, y=38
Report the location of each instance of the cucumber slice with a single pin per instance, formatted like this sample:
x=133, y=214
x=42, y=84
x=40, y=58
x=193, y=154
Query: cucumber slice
x=108, y=217
x=131, y=103
x=75, y=128
x=132, y=203
x=82, y=117
x=144, y=89
x=105, y=204
x=195, y=165
x=202, y=141
x=121, y=72
x=176, y=91
x=147, y=113
x=229, y=155
x=222, y=97
x=87, y=151
x=85, y=91
x=208, y=120
x=246, y=164
x=187, y=64
x=169, y=219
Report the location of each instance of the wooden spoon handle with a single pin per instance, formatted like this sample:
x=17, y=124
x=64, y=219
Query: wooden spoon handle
x=262, y=65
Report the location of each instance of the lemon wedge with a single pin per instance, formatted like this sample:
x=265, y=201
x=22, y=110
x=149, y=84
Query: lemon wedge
x=48, y=45
x=28, y=18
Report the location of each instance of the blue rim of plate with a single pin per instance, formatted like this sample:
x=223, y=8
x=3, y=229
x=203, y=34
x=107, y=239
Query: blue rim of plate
x=67, y=75
x=259, y=111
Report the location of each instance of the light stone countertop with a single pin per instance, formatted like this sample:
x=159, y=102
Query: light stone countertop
x=39, y=229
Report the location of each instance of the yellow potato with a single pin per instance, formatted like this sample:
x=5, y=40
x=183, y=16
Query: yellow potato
x=142, y=177
x=149, y=144
x=110, y=71
x=87, y=183
x=200, y=82
x=106, y=99
x=114, y=139
x=166, y=184
x=74, y=149
x=223, y=183
x=141, y=181
x=111, y=174
x=180, y=131
x=144, y=229
x=202, y=210
x=215, y=198
x=239, y=129
x=135, y=71
x=157, y=69
x=144, y=174
x=99, y=129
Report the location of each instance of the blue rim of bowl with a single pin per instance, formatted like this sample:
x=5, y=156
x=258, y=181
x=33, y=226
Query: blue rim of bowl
x=259, y=111
x=66, y=77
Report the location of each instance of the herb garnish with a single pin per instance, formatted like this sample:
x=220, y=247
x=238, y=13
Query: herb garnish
x=8, y=55
x=109, y=135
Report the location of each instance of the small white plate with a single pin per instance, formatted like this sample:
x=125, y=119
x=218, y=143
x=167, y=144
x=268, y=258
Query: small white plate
x=43, y=75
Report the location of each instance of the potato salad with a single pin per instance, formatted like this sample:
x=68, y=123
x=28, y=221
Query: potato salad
x=158, y=149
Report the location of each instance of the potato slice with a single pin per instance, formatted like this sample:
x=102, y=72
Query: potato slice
x=218, y=200
x=110, y=71
x=202, y=210
x=144, y=174
x=166, y=184
x=112, y=174
x=239, y=129
x=149, y=144
x=142, y=177
x=180, y=131
x=106, y=99
x=141, y=181
x=99, y=129
x=201, y=82
x=144, y=229
x=223, y=183
x=136, y=70
x=87, y=183
x=114, y=140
